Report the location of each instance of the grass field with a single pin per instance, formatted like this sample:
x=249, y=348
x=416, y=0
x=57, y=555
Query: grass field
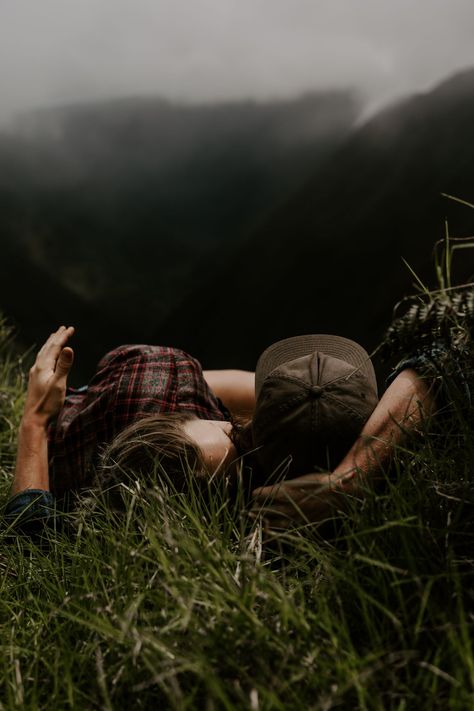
x=177, y=604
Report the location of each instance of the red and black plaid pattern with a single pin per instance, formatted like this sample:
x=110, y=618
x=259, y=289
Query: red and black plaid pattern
x=131, y=382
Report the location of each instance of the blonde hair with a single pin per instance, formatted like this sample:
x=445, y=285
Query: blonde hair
x=156, y=444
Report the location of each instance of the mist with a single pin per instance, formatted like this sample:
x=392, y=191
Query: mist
x=58, y=52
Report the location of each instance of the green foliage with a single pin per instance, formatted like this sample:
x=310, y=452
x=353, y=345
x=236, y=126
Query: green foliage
x=444, y=317
x=12, y=389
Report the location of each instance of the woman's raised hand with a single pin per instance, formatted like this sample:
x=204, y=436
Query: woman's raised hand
x=48, y=378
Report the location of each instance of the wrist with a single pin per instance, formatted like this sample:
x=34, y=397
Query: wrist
x=349, y=481
x=32, y=422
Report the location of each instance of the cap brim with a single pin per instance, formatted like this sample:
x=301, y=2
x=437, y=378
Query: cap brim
x=299, y=346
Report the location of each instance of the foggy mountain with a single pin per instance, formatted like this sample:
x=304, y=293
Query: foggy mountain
x=112, y=214
x=329, y=260
x=221, y=228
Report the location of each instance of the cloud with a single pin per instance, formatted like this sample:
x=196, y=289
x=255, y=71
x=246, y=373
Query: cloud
x=57, y=51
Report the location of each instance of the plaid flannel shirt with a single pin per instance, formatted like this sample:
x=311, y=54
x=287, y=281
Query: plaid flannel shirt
x=131, y=382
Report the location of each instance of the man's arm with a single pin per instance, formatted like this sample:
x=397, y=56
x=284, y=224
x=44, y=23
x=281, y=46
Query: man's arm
x=44, y=399
x=402, y=408
x=236, y=389
x=314, y=497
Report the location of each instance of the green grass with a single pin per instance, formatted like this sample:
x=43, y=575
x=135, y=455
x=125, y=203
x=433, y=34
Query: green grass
x=12, y=393
x=176, y=603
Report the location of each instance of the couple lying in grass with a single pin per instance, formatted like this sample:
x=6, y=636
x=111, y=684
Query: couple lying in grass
x=306, y=430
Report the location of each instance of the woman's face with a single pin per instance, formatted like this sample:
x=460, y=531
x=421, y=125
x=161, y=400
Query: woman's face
x=212, y=437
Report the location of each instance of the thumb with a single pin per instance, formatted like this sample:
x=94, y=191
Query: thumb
x=65, y=361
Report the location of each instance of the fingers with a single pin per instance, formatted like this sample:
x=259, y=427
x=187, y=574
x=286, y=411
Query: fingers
x=301, y=488
x=283, y=494
x=274, y=510
x=272, y=523
x=58, y=338
x=50, y=351
x=274, y=497
x=274, y=492
x=277, y=525
x=64, y=362
x=265, y=492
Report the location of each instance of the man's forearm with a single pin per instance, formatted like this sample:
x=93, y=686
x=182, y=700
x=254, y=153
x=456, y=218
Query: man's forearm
x=403, y=407
x=31, y=471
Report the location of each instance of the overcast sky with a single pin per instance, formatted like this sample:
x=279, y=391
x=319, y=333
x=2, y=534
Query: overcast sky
x=54, y=51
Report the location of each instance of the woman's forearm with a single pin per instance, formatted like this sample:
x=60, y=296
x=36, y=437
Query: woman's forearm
x=31, y=471
x=44, y=399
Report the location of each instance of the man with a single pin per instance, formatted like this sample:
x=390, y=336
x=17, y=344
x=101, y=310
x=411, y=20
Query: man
x=315, y=496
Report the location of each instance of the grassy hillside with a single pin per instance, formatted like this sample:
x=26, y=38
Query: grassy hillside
x=178, y=603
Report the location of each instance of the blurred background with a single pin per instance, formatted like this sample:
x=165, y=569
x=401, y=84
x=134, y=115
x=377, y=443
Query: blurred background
x=219, y=174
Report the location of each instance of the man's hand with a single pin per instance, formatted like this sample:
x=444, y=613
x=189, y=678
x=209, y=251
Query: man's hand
x=48, y=378
x=309, y=498
x=236, y=389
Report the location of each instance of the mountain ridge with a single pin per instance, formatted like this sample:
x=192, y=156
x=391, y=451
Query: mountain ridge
x=124, y=207
x=323, y=261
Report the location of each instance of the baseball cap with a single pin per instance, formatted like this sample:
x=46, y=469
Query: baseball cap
x=314, y=394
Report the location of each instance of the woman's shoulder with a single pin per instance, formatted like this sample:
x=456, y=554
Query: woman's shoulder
x=129, y=352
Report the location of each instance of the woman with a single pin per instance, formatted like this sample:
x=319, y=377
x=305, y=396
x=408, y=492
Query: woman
x=137, y=390
x=112, y=412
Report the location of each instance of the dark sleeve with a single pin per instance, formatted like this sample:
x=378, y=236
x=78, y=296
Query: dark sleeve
x=428, y=362
x=415, y=362
x=29, y=511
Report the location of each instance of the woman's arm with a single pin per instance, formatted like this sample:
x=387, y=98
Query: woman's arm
x=236, y=389
x=313, y=497
x=44, y=399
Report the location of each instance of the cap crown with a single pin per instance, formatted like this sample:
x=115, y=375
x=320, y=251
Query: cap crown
x=309, y=411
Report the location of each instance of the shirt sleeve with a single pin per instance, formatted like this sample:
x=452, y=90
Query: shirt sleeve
x=29, y=511
x=437, y=362
x=421, y=363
